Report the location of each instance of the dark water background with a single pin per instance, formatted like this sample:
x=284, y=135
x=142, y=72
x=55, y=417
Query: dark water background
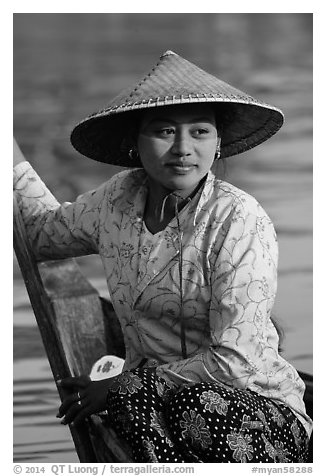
x=68, y=65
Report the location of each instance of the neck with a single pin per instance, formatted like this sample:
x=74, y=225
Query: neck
x=160, y=206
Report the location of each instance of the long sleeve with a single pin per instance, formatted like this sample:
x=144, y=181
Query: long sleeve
x=243, y=286
x=57, y=231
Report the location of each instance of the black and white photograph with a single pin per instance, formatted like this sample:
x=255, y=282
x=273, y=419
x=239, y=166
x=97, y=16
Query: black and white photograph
x=162, y=265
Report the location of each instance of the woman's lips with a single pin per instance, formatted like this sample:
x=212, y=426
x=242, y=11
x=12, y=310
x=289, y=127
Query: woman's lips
x=181, y=168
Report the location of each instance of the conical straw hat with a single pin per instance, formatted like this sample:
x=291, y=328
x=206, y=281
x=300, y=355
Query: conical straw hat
x=246, y=121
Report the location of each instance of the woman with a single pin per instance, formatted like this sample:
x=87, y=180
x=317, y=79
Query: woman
x=191, y=266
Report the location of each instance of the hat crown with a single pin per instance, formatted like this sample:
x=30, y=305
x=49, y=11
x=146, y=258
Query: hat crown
x=171, y=80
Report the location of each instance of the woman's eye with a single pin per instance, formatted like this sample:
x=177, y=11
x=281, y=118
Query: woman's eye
x=166, y=131
x=200, y=131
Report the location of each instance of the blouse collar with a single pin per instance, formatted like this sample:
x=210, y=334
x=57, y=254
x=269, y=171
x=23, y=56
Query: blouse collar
x=135, y=190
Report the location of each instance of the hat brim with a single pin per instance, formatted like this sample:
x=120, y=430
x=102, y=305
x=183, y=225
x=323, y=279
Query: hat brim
x=104, y=136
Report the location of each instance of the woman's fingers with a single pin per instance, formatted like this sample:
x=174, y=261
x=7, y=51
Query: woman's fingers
x=77, y=412
x=78, y=385
x=82, y=414
x=86, y=398
x=68, y=401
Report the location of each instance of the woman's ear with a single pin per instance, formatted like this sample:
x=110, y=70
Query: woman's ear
x=218, y=148
x=218, y=141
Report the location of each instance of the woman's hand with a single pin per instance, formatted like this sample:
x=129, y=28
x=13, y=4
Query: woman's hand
x=86, y=398
x=18, y=155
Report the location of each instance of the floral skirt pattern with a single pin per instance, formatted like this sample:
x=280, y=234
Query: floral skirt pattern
x=202, y=423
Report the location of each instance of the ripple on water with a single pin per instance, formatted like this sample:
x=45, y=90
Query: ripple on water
x=38, y=435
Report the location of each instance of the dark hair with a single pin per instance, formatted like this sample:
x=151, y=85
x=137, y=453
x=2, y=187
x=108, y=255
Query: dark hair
x=132, y=126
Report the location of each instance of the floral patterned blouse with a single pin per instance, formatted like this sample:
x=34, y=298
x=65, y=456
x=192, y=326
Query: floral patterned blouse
x=229, y=268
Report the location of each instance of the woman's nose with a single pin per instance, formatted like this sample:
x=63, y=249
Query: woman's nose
x=182, y=145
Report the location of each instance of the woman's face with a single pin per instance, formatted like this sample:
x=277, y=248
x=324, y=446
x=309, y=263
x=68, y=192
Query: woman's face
x=177, y=144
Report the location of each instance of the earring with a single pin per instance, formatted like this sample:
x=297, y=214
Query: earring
x=217, y=154
x=133, y=154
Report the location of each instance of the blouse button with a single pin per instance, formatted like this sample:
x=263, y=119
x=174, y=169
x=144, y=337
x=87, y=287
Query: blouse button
x=137, y=314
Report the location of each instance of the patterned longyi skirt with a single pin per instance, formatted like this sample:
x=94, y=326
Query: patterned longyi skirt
x=202, y=423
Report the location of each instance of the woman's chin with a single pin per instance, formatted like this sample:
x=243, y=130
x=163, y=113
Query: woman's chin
x=184, y=181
